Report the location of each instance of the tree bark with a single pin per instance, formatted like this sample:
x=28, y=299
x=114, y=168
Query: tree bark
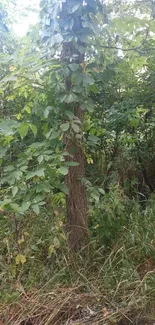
x=76, y=200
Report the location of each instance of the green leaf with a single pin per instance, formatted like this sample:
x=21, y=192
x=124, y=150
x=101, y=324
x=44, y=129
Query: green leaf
x=20, y=259
x=63, y=170
x=46, y=113
x=25, y=206
x=23, y=259
x=15, y=207
x=64, y=188
x=70, y=114
x=14, y=190
x=56, y=242
x=3, y=151
x=101, y=191
x=33, y=128
x=47, y=135
x=8, y=127
x=35, y=208
x=75, y=127
x=74, y=66
x=38, y=198
x=87, y=80
x=30, y=175
x=54, y=135
x=93, y=138
x=23, y=129
x=50, y=250
x=40, y=159
x=70, y=98
x=40, y=173
x=71, y=163
x=64, y=127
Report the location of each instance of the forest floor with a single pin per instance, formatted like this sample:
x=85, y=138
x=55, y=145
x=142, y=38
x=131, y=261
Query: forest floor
x=74, y=306
x=111, y=289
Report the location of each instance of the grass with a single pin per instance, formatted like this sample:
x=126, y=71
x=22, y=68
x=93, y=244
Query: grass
x=100, y=291
x=112, y=285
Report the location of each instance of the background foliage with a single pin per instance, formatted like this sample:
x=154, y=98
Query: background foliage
x=115, y=87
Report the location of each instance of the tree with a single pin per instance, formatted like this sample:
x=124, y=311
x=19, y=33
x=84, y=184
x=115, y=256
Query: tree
x=71, y=28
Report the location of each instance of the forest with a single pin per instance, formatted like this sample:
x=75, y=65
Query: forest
x=77, y=163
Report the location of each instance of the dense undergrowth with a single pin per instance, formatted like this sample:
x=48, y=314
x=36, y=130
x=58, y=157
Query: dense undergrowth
x=115, y=280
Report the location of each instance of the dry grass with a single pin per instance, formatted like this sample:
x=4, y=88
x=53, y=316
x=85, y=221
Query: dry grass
x=72, y=306
x=106, y=293
x=63, y=306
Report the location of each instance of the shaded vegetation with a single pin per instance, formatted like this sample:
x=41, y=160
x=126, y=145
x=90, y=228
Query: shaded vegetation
x=77, y=164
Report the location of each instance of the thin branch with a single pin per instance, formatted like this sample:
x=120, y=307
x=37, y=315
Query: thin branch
x=138, y=48
x=129, y=49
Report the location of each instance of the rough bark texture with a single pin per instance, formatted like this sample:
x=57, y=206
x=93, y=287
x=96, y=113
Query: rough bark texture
x=76, y=201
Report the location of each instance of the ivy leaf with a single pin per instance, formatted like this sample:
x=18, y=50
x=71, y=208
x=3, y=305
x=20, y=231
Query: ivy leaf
x=70, y=114
x=64, y=188
x=14, y=190
x=40, y=173
x=75, y=127
x=25, y=206
x=52, y=135
x=35, y=208
x=70, y=98
x=16, y=175
x=33, y=128
x=64, y=127
x=87, y=80
x=63, y=170
x=40, y=159
x=101, y=191
x=23, y=129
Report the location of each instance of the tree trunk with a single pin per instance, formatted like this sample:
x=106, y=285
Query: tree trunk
x=76, y=200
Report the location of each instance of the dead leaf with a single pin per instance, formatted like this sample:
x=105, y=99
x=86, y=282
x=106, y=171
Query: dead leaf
x=105, y=312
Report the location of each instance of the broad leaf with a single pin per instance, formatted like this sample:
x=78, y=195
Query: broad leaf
x=70, y=114
x=75, y=127
x=23, y=129
x=14, y=190
x=34, y=129
x=63, y=170
x=35, y=208
x=64, y=127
